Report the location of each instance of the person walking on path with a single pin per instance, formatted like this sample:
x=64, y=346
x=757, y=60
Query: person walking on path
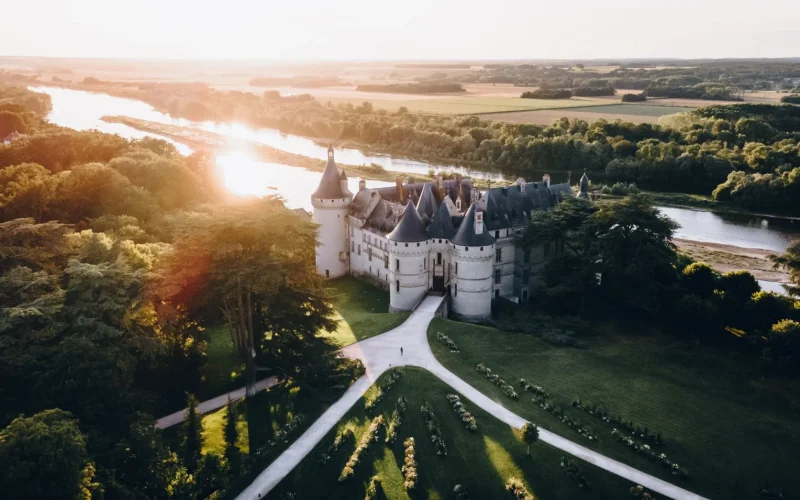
x=401, y=351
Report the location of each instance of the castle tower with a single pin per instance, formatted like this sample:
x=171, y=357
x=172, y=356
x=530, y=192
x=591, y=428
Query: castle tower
x=584, y=186
x=331, y=202
x=408, y=266
x=471, y=282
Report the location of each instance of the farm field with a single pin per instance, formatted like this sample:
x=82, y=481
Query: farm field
x=634, y=109
x=480, y=461
x=730, y=429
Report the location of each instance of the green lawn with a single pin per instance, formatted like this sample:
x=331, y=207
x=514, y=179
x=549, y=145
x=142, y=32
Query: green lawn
x=482, y=461
x=730, y=429
x=362, y=310
x=223, y=368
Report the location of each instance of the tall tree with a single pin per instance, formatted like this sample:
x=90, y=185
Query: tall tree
x=192, y=435
x=232, y=454
x=790, y=260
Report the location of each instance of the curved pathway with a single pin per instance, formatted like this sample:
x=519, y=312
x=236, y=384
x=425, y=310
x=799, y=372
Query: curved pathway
x=381, y=353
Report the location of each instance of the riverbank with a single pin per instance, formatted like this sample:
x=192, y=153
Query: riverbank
x=725, y=258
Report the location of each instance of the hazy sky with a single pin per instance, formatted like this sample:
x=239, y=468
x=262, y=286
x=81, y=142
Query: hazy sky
x=400, y=29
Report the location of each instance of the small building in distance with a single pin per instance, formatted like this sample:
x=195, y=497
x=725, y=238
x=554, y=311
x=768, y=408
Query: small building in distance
x=416, y=238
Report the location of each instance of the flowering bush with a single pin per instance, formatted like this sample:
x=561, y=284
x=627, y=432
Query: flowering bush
x=432, y=423
x=342, y=437
x=644, y=449
x=444, y=339
x=395, y=420
x=368, y=437
x=611, y=418
x=570, y=468
x=375, y=489
x=534, y=389
x=571, y=422
x=496, y=380
x=466, y=417
x=517, y=489
x=383, y=389
x=409, y=465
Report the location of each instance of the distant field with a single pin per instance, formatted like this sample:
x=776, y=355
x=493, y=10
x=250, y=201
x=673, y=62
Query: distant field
x=635, y=109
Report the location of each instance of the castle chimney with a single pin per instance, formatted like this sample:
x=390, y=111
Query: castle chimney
x=546, y=179
x=439, y=185
x=479, y=222
x=362, y=185
x=401, y=193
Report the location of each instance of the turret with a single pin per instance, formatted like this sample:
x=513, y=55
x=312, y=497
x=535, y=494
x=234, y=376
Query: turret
x=584, y=186
x=471, y=282
x=331, y=202
x=408, y=266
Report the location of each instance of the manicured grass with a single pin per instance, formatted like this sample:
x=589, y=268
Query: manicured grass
x=362, y=311
x=223, y=368
x=731, y=430
x=482, y=461
x=214, y=431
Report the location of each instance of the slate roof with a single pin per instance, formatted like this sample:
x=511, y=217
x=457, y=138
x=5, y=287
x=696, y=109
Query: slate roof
x=510, y=205
x=426, y=205
x=411, y=228
x=442, y=224
x=584, y=186
x=465, y=236
x=329, y=186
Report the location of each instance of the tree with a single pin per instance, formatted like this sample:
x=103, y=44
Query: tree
x=790, y=260
x=530, y=434
x=10, y=122
x=44, y=456
x=700, y=279
x=192, y=435
x=232, y=454
x=631, y=242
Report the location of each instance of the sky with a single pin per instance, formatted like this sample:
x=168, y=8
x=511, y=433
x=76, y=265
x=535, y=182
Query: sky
x=404, y=30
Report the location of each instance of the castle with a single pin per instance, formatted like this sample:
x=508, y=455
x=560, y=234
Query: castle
x=416, y=238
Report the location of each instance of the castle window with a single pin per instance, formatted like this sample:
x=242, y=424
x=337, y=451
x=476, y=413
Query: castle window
x=369, y=253
x=327, y=273
x=456, y=268
x=466, y=249
x=359, y=249
x=425, y=264
x=498, y=275
x=481, y=249
x=497, y=234
x=439, y=258
x=352, y=246
x=386, y=262
x=364, y=237
x=406, y=245
x=397, y=286
x=455, y=291
x=527, y=255
x=417, y=244
x=498, y=255
x=397, y=265
x=525, y=277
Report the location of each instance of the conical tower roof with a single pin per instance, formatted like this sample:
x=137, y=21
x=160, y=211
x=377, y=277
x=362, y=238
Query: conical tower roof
x=465, y=236
x=329, y=185
x=584, y=186
x=442, y=224
x=411, y=228
x=426, y=205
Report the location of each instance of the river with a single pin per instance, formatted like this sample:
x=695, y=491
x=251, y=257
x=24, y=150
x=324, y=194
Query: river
x=246, y=175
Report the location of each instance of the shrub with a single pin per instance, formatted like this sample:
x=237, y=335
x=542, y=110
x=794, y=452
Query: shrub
x=571, y=422
x=369, y=436
x=409, y=465
x=282, y=435
x=603, y=414
x=342, y=437
x=791, y=99
x=383, y=389
x=447, y=341
x=535, y=389
x=496, y=380
x=396, y=420
x=460, y=492
x=517, y=490
x=466, y=417
x=644, y=449
x=570, y=468
x=638, y=491
x=375, y=489
x=432, y=423
x=634, y=97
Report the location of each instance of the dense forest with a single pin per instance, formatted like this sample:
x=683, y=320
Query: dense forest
x=116, y=257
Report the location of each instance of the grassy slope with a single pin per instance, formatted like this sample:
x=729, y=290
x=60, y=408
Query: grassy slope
x=363, y=310
x=719, y=421
x=481, y=461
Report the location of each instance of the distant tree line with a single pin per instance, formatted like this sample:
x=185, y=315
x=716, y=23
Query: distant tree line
x=634, y=97
x=547, y=94
x=425, y=87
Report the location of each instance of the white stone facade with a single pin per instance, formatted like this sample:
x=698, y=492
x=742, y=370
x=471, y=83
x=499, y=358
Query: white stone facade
x=434, y=247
